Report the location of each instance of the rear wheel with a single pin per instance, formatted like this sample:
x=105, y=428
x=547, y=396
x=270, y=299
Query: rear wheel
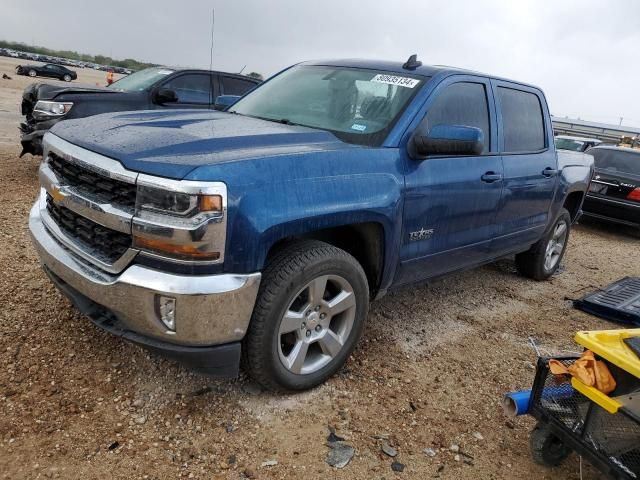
x=67, y=78
x=544, y=257
x=546, y=448
x=32, y=73
x=310, y=311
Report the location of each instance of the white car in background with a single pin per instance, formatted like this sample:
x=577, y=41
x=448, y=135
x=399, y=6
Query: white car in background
x=575, y=144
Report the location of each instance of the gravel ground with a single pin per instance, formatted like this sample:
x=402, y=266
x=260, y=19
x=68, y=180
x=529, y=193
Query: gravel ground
x=429, y=372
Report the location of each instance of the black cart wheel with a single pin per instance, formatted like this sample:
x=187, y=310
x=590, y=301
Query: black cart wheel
x=546, y=448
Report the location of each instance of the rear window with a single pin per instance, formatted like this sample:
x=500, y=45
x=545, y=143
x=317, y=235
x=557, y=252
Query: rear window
x=616, y=160
x=522, y=120
x=236, y=86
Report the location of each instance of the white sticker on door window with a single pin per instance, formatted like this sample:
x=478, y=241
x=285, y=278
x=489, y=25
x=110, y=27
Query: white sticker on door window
x=395, y=80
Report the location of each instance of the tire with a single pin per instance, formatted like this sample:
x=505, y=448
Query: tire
x=32, y=73
x=544, y=257
x=294, y=340
x=19, y=70
x=546, y=448
x=67, y=78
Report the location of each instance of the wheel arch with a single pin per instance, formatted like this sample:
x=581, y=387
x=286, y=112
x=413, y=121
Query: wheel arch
x=365, y=241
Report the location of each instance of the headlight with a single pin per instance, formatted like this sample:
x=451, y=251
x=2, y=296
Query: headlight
x=46, y=109
x=181, y=220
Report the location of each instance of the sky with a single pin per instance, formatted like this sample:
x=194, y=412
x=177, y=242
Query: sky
x=583, y=53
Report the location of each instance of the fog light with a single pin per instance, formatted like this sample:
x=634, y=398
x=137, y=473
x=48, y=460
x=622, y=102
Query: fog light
x=166, y=307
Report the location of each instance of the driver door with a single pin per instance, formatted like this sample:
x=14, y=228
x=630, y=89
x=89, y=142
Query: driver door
x=451, y=201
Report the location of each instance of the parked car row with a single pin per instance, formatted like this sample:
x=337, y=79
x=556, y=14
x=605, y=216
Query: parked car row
x=614, y=193
x=262, y=232
x=62, y=61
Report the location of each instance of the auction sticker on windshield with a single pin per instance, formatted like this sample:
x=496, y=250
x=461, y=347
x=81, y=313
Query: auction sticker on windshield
x=395, y=80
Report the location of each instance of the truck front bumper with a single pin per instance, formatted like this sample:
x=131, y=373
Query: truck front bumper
x=212, y=312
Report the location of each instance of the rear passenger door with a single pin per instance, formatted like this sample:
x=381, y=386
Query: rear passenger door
x=194, y=90
x=451, y=201
x=530, y=166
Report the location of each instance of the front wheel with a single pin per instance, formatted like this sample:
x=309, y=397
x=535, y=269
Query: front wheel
x=543, y=258
x=310, y=311
x=67, y=78
x=32, y=73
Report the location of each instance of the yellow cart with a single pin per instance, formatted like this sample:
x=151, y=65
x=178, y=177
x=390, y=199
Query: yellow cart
x=604, y=429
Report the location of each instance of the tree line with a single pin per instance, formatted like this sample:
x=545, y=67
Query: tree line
x=129, y=63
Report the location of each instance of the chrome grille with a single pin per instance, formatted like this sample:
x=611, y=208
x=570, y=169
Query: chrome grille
x=104, y=189
x=103, y=243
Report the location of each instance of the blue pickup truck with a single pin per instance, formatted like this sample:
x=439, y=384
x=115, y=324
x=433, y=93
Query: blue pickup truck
x=260, y=234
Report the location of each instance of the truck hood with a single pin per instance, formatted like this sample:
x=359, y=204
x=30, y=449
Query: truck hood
x=173, y=143
x=49, y=91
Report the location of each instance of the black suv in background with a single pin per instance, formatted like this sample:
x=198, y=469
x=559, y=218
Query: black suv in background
x=44, y=105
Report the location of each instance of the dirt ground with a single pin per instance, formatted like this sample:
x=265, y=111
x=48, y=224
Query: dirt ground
x=429, y=372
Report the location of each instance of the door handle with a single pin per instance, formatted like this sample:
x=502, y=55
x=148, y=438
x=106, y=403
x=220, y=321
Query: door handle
x=549, y=172
x=491, y=177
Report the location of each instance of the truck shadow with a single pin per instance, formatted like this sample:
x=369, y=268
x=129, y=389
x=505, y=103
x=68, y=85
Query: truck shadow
x=612, y=230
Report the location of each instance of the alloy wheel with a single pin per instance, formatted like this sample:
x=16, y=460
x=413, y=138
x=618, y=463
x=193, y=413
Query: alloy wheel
x=316, y=324
x=555, y=246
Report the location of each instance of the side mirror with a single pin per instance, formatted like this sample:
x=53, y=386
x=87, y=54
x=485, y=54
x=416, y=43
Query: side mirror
x=165, y=95
x=225, y=101
x=447, y=140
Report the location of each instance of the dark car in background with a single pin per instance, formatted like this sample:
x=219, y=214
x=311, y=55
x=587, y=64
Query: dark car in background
x=44, y=105
x=614, y=194
x=49, y=70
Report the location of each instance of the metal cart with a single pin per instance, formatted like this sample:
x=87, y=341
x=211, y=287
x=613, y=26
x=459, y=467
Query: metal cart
x=603, y=429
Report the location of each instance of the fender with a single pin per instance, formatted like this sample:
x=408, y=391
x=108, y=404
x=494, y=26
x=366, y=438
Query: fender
x=273, y=198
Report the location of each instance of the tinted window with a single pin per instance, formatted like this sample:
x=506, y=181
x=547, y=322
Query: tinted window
x=236, y=86
x=462, y=104
x=522, y=120
x=191, y=88
x=616, y=160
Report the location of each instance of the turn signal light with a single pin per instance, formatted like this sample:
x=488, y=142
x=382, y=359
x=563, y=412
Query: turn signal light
x=634, y=195
x=183, y=251
x=210, y=203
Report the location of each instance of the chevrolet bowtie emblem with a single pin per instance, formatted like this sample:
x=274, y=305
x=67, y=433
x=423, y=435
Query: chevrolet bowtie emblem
x=56, y=193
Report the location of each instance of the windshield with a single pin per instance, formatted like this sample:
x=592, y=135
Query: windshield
x=616, y=160
x=358, y=106
x=568, y=144
x=139, y=81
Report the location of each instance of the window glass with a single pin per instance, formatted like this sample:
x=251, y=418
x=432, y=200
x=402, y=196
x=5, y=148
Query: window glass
x=191, y=88
x=616, y=160
x=463, y=104
x=139, y=81
x=568, y=144
x=522, y=120
x=358, y=105
x=236, y=86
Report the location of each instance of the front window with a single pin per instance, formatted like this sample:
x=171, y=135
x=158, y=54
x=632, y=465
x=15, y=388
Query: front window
x=357, y=105
x=139, y=81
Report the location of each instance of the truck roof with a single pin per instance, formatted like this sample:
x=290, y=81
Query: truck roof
x=397, y=67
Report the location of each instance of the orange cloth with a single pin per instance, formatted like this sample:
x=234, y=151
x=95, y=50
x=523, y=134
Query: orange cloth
x=591, y=372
